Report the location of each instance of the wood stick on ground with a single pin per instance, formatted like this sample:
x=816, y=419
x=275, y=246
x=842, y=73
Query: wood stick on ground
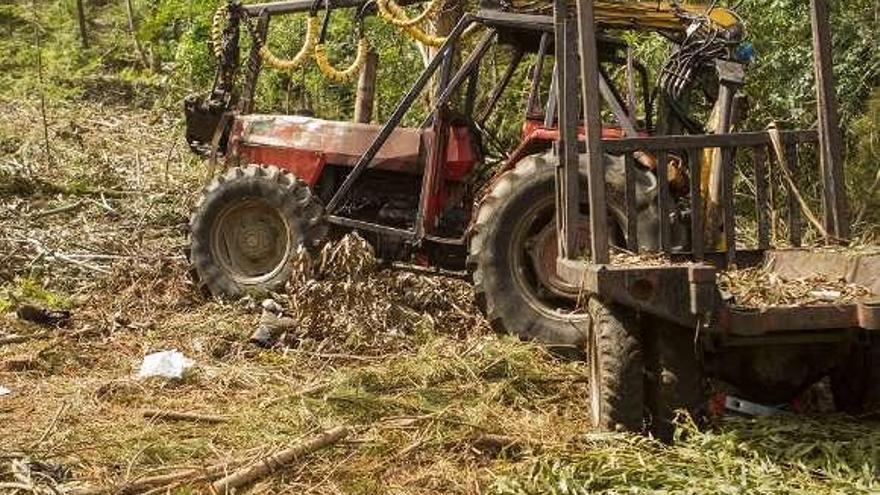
x=55, y=211
x=183, y=416
x=269, y=465
x=17, y=339
x=190, y=476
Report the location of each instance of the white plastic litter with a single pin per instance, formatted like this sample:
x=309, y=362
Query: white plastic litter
x=4, y=391
x=826, y=295
x=167, y=364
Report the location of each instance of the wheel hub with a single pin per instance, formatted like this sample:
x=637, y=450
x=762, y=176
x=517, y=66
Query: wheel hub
x=251, y=240
x=256, y=241
x=543, y=250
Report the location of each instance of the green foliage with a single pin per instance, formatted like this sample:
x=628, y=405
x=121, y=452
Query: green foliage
x=30, y=290
x=780, y=83
x=771, y=455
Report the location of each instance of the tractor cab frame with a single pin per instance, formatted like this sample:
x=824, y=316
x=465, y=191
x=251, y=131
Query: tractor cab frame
x=443, y=153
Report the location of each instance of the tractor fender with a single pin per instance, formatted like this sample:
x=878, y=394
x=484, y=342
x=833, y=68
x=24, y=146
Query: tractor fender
x=646, y=195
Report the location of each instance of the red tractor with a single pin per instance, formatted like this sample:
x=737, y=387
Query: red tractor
x=443, y=194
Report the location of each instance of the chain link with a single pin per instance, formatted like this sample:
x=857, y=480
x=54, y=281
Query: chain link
x=389, y=10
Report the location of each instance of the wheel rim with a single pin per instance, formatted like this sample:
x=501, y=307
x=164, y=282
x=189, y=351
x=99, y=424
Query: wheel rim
x=251, y=240
x=533, y=260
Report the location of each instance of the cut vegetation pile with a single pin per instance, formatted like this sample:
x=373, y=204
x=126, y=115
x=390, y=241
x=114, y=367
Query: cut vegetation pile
x=762, y=288
x=433, y=402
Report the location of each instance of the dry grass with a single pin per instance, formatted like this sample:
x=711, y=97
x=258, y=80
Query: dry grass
x=438, y=404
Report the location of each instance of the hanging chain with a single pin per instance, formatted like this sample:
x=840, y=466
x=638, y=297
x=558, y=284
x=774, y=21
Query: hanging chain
x=389, y=10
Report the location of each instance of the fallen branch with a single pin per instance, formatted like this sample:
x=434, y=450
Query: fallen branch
x=161, y=483
x=183, y=416
x=55, y=211
x=190, y=476
x=269, y=465
x=54, y=256
x=18, y=339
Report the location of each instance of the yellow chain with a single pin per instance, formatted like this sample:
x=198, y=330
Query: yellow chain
x=388, y=9
x=394, y=14
x=301, y=56
x=423, y=37
x=217, y=30
x=349, y=72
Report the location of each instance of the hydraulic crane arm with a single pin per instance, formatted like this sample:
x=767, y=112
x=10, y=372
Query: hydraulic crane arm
x=669, y=17
x=664, y=16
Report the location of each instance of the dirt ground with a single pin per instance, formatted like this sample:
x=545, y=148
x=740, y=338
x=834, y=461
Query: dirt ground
x=436, y=403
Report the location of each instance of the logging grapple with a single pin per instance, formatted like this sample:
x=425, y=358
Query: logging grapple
x=448, y=195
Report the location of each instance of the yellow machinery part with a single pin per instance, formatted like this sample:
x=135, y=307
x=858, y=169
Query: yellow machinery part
x=651, y=16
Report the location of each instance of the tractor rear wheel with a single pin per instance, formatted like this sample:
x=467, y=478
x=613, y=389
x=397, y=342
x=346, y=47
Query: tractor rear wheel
x=246, y=228
x=512, y=257
x=617, y=372
x=513, y=249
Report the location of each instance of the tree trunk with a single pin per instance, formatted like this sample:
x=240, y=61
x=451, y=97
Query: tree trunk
x=366, y=90
x=81, y=18
x=444, y=23
x=132, y=29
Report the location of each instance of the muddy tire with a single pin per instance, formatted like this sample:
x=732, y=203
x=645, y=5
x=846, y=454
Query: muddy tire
x=512, y=251
x=505, y=284
x=855, y=385
x=616, y=363
x=246, y=228
x=676, y=381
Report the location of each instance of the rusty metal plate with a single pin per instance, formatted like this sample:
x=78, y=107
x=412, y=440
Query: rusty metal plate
x=754, y=321
x=800, y=263
x=341, y=143
x=861, y=268
x=675, y=293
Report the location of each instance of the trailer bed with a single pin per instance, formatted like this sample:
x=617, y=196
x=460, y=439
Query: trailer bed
x=687, y=293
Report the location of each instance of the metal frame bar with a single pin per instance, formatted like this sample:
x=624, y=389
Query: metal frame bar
x=533, y=107
x=674, y=142
x=663, y=200
x=499, y=90
x=729, y=213
x=794, y=208
x=448, y=89
x=696, y=172
x=589, y=69
x=632, y=226
x=397, y=116
x=439, y=138
x=836, y=216
x=762, y=206
x=567, y=174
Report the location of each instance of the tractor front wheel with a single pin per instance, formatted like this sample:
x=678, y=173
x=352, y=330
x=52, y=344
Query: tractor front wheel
x=246, y=229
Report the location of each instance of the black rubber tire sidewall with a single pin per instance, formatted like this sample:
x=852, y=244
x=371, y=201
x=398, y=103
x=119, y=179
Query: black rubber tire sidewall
x=497, y=291
x=617, y=368
x=277, y=189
